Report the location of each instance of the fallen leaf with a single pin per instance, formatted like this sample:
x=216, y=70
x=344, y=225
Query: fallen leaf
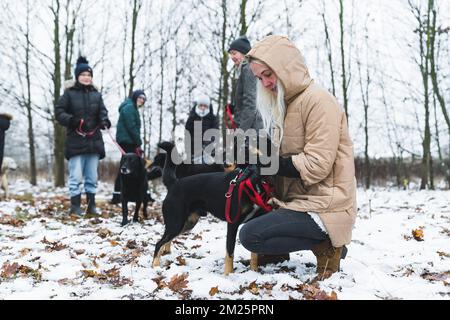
x=253, y=288
x=435, y=276
x=178, y=282
x=159, y=282
x=213, y=291
x=24, y=251
x=9, y=270
x=103, y=232
x=131, y=244
x=181, y=261
x=79, y=251
x=89, y=273
x=418, y=234
x=443, y=254
x=114, y=243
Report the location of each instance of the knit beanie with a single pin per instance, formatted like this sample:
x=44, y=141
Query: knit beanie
x=241, y=44
x=82, y=66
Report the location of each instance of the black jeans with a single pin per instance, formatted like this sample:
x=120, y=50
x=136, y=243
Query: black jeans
x=127, y=148
x=281, y=231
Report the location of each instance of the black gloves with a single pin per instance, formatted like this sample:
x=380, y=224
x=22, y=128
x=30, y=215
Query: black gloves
x=105, y=124
x=287, y=169
x=74, y=122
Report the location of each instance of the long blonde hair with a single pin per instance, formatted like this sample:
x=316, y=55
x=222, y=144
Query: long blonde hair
x=271, y=108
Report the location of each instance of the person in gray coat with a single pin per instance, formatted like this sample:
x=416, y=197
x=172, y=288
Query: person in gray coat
x=245, y=114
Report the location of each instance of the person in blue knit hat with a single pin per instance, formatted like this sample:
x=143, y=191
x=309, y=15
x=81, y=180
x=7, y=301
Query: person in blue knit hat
x=82, y=111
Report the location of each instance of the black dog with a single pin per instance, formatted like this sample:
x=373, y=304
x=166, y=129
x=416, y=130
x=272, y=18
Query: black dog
x=191, y=197
x=182, y=170
x=134, y=185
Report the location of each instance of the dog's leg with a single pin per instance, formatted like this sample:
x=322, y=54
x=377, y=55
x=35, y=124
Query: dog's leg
x=124, y=213
x=5, y=183
x=231, y=243
x=166, y=249
x=174, y=218
x=254, y=261
x=144, y=209
x=191, y=222
x=228, y=264
x=136, y=211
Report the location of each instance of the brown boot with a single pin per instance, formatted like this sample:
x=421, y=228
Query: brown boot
x=265, y=259
x=328, y=259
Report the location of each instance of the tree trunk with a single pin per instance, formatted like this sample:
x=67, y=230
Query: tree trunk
x=136, y=8
x=225, y=74
x=59, y=132
x=344, y=72
x=31, y=140
x=329, y=51
x=435, y=83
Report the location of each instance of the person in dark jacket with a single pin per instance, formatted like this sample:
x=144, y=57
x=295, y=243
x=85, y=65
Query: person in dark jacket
x=245, y=114
x=128, y=133
x=82, y=111
x=203, y=113
x=243, y=104
x=5, y=121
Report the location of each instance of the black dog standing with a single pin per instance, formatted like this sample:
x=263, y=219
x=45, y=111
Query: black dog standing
x=134, y=185
x=190, y=197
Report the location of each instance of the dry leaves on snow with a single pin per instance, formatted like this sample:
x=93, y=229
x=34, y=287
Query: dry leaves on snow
x=53, y=245
x=103, y=232
x=10, y=220
x=10, y=270
x=436, y=276
x=178, y=284
x=313, y=292
x=111, y=276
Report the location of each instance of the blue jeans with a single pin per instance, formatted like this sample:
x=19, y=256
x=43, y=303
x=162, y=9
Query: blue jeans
x=81, y=167
x=281, y=231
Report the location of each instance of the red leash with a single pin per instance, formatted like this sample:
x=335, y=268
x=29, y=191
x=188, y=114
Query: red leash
x=81, y=132
x=115, y=142
x=230, y=116
x=260, y=199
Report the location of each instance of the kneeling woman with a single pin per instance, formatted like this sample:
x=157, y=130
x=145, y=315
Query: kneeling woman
x=315, y=189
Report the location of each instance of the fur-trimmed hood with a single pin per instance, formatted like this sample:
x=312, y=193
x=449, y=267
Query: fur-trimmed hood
x=69, y=84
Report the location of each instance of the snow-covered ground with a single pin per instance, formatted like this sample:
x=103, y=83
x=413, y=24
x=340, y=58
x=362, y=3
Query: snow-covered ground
x=44, y=254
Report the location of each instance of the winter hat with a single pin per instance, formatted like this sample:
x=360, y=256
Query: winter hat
x=203, y=99
x=136, y=94
x=82, y=66
x=241, y=44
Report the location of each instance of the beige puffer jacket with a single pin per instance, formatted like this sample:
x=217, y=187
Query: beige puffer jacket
x=316, y=136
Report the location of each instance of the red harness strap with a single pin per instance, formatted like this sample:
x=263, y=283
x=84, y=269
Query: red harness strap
x=257, y=198
x=230, y=117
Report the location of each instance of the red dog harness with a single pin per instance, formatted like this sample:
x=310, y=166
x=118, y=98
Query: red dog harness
x=260, y=199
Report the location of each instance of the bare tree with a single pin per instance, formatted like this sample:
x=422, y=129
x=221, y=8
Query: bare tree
x=328, y=47
x=424, y=42
x=436, y=31
x=365, y=89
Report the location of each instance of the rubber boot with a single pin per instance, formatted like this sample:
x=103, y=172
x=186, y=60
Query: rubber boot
x=75, y=205
x=91, y=209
